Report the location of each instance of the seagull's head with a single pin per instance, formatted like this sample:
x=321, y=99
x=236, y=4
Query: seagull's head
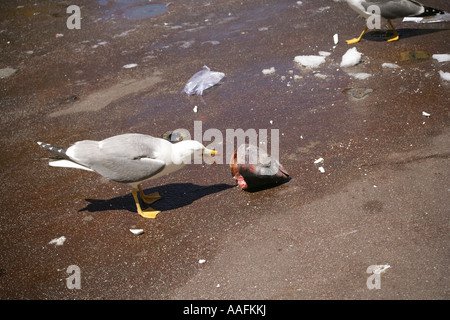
x=185, y=150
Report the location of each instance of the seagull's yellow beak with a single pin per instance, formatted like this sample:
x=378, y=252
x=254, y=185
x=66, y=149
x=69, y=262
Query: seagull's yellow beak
x=212, y=153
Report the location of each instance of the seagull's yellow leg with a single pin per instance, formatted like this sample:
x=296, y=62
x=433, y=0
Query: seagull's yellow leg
x=147, y=213
x=148, y=199
x=356, y=40
x=395, y=38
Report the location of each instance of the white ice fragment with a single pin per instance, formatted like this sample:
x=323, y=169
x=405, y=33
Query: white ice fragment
x=324, y=53
x=412, y=19
x=271, y=121
x=351, y=58
x=310, y=61
x=201, y=261
x=202, y=80
x=318, y=160
x=58, y=241
x=426, y=114
x=297, y=77
x=268, y=71
x=130, y=65
x=320, y=76
x=390, y=65
x=137, y=231
x=195, y=109
x=360, y=75
x=321, y=169
x=445, y=75
x=441, y=57
x=336, y=38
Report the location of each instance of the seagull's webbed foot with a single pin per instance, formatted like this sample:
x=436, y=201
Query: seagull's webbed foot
x=147, y=213
x=150, y=198
x=356, y=40
x=395, y=37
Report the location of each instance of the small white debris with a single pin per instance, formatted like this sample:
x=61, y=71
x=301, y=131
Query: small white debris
x=218, y=285
x=195, y=109
x=324, y=53
x=412, y=19
x=59, y=35
x=336, y=38
x=445, y=75
x=130, y=65
x=318, y=160
x=58, y=241
x=201, y=261
x=426, y=114
x=441, y=57
x=310, y=61
x=271, y=121
x=297, y=77
x=268, y=71
x=351, y=58
x=390, y=65
x=360, y=75
x=137, y=231
x=321, y=169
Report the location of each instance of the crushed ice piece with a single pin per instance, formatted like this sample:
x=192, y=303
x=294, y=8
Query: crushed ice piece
x=412, y=19
x=426, y=114
x=351, y=58
x=130, y=65
x=320, y=76
x=360, y=75
x=445, y=75
x=59, y=35
x=321, y=169
x=268, y=71
x=318, y=160
x=336, y=38
x=58, y=241
x=324, y=53
x=195, y=109
x=441, y=57
x=310, y=61
x=137, y=231
x=201, y=261
x=203, y=80
x=390, y=65
x=297, y=77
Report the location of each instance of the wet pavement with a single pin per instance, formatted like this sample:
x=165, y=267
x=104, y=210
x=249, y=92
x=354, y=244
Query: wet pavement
x=382, y=199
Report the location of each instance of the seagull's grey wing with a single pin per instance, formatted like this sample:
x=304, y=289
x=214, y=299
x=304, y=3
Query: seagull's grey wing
x=124, y=158
x=391, y=9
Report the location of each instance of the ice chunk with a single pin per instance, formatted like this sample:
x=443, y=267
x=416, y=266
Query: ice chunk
x=445, y=75
x=318, y=160
x=58, y=241
x=310, y=61
x=324, y=53
x=268, y=71
x=360, y=75
x=351, y=58
x=137, y=231
x=390, y=65
x=202, y=80
x=322, y=170
x=336, y=38
x=426, y=114
x=441, y=57
x=130, y=65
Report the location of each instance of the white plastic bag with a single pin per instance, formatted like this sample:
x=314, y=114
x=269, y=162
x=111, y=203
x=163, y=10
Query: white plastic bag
x=203, y=80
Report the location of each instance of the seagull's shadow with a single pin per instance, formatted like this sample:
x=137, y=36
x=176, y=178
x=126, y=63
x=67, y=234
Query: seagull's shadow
x=175, y=195
x=383, y=35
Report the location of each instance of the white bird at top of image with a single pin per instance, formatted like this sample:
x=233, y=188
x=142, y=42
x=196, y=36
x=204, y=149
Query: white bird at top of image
x=391, y=9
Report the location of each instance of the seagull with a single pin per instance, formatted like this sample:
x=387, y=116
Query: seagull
x=390, y=9
x=130, y=158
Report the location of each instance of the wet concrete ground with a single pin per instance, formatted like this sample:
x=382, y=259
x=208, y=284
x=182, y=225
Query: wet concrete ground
x=383, y=198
